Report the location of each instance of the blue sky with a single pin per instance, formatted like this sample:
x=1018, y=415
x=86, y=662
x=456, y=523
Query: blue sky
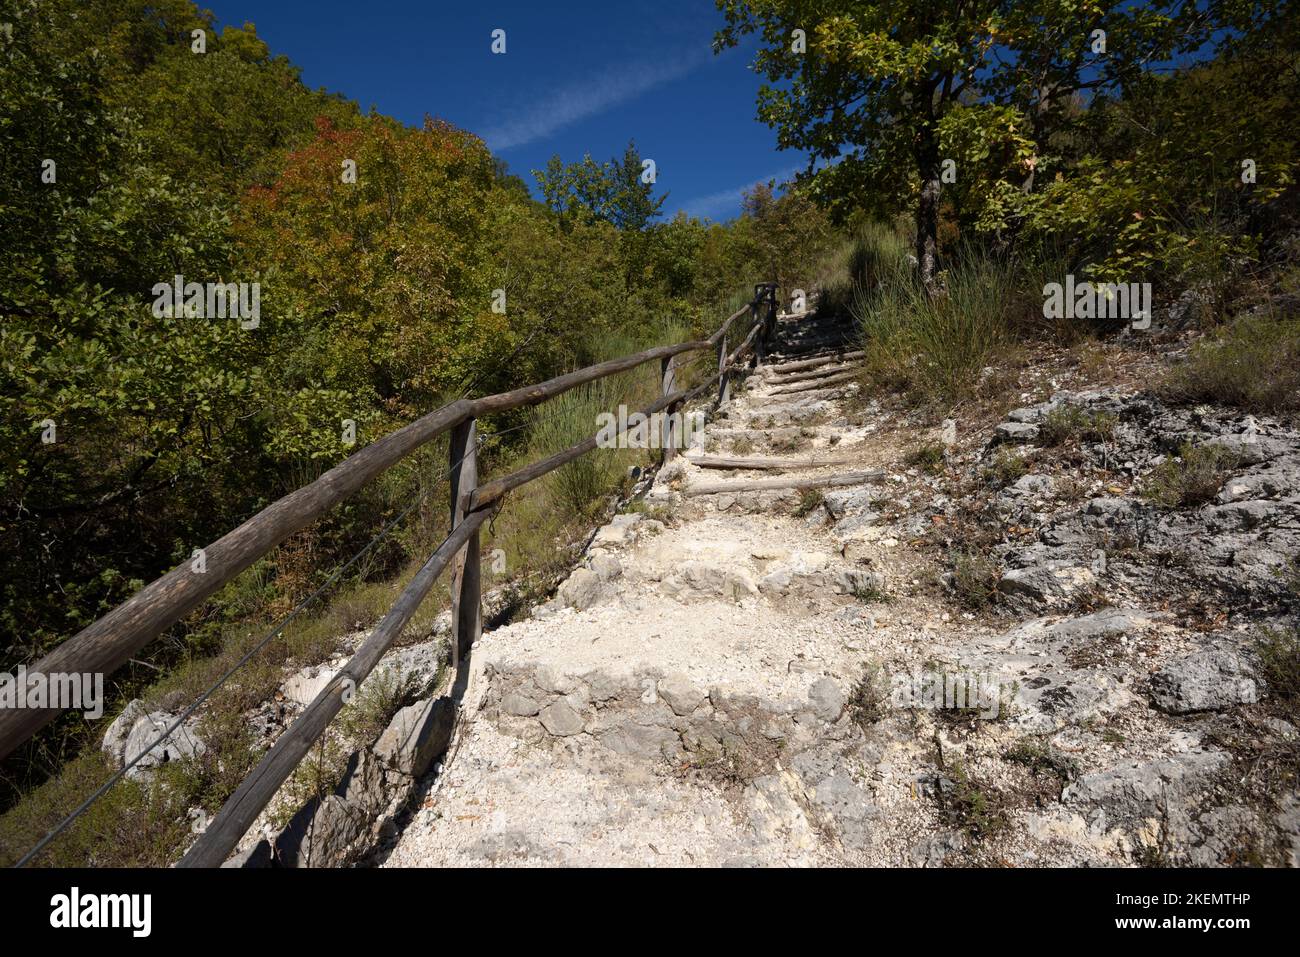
x=577, y=77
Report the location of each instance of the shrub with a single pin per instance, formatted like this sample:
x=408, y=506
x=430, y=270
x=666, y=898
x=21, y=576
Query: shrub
x=975, y=808
x=928, y=458
x=1004, y=468
x=1193, y=477
x=1067, y=422
x=935, y=347
x=565, y=421
x=871, y=594
x=1254, y=364
x=975, y=578
x=870, y=696
x=1279, y=659
x=809, y=500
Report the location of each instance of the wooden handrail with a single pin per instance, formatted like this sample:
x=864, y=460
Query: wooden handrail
x=252, y=796
x=109, y=642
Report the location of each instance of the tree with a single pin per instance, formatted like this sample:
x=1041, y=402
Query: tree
x=616, y=192
x=870, y=94
x=788, y=235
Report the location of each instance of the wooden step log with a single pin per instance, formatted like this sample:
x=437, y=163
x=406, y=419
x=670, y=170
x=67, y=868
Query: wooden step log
x=769, y=463
x=827, y=394
x=810, y=352
x=776, y=432
x=785, y=482
x=801, y=364
x=801, y=342
x=820, y=372
x=815, y=384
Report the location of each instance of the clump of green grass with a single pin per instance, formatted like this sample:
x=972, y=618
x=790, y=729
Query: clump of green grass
x=1193, y=477
x=317, y=775
x=1040, y=757
x=935, y=347
x=928, y=458
x=579, y=486
x=976, y=808
x=1279, y=661
x=1069, y=422
x=788, y=444
x=871, y=595
x=870, y=696
x=1253, y=364
x=810, y=499
x=657, y=513
x=379, y=698
x=1004, y=468
x=975, y=578
x=742, y=445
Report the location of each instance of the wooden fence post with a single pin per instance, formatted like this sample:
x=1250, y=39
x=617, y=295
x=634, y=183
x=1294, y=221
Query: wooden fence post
x=466, y=613
x=671, y=431
x=769, y=319
x=724, y=380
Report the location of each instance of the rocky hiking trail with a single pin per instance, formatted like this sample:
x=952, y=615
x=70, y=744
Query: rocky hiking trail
x=735, y=674
x=835, y=631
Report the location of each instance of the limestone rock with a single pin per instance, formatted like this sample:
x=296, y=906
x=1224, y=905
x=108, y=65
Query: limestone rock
x=1204, y=681
x=827, y=699
x=561, y=720
x=519, y=705
x=680, y=693
x=184, y=742
x=417, y=735
x=581, y=590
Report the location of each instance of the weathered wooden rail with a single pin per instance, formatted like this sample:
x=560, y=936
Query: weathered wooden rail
x=112, y=640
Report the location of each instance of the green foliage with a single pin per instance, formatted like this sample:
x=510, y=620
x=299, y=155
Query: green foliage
x=614, y=192
x=869, y=699
x=975, y=807
x=580, y=485
x=810, y=499
x=975, y=579
x=1279, y=657
x=888, y=90
x=929, y=458
x=1069, y=422
x=1004, y=468
x=1008, y=120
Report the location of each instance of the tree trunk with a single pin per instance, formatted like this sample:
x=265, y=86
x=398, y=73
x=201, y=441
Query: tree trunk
x=927, y=209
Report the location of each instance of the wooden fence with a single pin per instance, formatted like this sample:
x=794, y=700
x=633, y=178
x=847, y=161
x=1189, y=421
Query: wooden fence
x=110, y=642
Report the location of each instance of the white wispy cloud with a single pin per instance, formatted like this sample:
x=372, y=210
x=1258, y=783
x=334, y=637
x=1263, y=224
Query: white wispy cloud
x=727, y=201
x=592, y=95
